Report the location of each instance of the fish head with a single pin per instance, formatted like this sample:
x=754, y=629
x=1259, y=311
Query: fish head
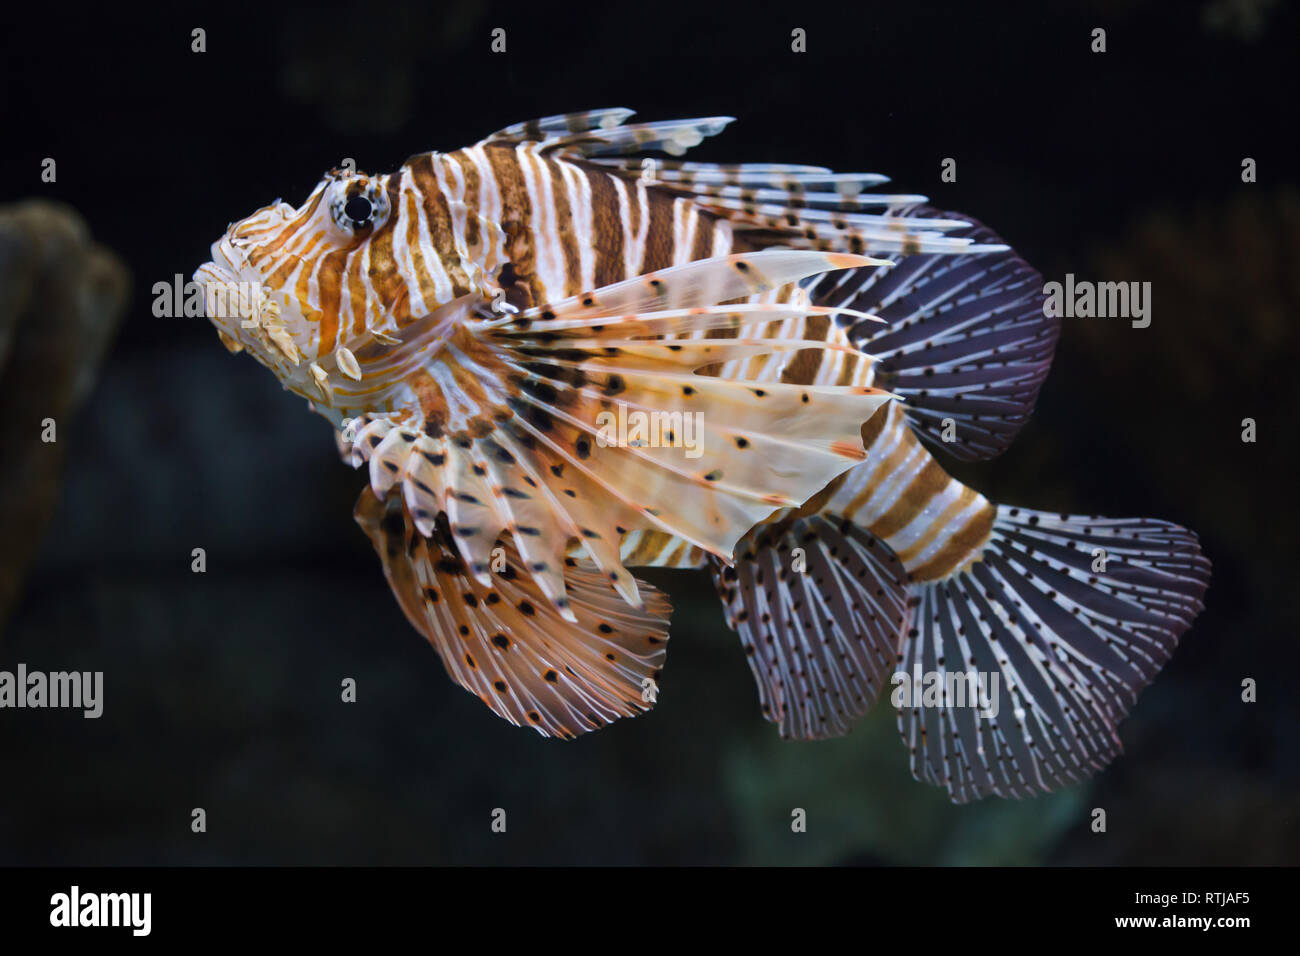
x=296, y=287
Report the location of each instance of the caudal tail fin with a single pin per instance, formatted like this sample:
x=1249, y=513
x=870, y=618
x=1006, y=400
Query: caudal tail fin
x=1074, y=616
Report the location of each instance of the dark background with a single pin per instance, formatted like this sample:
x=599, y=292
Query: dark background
x=222, y=689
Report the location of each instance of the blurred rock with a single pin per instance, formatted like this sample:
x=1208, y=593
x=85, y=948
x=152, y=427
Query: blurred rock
x=61, y=299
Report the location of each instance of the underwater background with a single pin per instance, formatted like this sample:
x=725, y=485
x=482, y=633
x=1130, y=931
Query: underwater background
x=222, y=689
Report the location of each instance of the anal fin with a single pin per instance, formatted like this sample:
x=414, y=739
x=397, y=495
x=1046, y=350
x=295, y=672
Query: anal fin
x=820, y=605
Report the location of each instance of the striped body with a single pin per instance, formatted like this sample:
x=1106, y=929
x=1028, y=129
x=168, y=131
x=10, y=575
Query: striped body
x=935, y=524
x=570, y=228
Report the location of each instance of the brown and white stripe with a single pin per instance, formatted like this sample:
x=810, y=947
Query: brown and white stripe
x=934, y=523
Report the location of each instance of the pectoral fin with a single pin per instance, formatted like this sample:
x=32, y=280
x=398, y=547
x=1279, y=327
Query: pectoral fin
x=502, y=641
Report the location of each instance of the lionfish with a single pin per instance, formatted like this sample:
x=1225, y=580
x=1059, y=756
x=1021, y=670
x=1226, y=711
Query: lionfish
x=465, y=322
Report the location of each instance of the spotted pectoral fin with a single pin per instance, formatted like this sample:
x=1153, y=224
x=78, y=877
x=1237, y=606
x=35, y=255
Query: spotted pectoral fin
x=581, y=420
x=502, y=640
x=821, y=606
x=616, y=411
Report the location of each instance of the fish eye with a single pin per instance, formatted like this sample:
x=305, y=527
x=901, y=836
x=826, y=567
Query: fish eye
x=356, y=204
x=359, y=210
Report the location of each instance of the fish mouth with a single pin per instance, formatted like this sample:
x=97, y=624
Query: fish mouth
x=247, y=314
x=221, y=283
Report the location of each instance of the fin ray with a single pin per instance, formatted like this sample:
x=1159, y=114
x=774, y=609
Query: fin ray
x=966, y=342
x=503, y=643
x=822, y=641
x=1072, y=647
